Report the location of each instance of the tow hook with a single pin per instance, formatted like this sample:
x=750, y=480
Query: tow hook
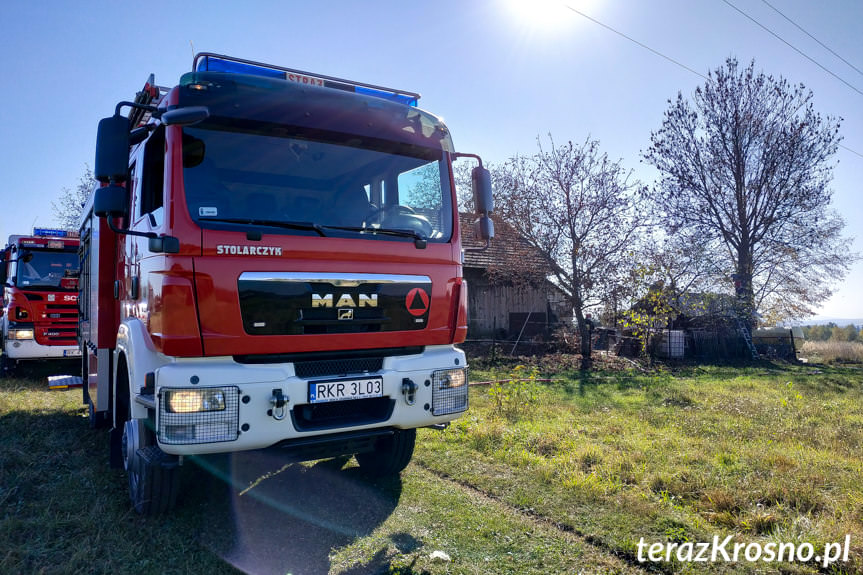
x=409, y=390
x=279, y=401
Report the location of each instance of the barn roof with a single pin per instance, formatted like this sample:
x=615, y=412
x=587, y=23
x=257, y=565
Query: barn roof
x=507, y=251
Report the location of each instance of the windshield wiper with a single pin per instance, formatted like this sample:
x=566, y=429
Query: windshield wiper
x=306, y=226
x=419, y=241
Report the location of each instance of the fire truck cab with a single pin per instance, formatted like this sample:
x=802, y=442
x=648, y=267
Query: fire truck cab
x=39, y=273
x=272, y=260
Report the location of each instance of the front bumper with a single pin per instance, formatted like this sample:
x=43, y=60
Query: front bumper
x=242, y=406
x=30, y=349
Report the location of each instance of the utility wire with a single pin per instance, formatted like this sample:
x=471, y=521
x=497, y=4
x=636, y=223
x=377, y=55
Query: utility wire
x=850, y=150
x=634, y=41
x=700, y=75
x=813, y=37
x=778, y=37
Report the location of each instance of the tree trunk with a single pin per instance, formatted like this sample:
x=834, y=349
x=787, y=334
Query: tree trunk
x=743, y=288
x=584, y=333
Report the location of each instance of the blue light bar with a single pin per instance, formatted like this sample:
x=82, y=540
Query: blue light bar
x=49, y=233
x=206, y=62
x=210, y=64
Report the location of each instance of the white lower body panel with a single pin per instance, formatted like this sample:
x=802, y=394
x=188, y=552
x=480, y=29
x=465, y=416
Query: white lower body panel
x=251, y=419
x=30, y=349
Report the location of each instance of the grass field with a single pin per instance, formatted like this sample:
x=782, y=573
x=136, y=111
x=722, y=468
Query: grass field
x=564, y=476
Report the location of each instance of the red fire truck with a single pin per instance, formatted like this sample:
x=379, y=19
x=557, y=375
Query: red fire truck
x=40, y=296
x=272, y=260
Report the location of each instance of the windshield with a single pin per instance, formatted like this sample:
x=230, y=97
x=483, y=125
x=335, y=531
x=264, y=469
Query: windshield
x=46, y=268
x=337, y=186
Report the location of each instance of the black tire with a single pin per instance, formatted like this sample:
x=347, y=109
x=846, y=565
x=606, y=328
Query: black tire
x=97, y=419
x=154, y=481
x=154, y=476
x=390, y=455
x=7, y=365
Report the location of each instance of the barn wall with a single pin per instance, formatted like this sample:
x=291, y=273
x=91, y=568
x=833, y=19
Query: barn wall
x=493, y=307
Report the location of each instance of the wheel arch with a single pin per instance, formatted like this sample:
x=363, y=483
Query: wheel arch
x=139, y=356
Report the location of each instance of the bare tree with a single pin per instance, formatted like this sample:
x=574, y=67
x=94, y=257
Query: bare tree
x=69, y=205
x=578, y=209
x=746, y=167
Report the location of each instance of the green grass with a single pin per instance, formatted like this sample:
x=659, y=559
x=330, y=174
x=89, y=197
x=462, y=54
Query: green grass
x=561, y=477
x=62, y=510
x=763, y=453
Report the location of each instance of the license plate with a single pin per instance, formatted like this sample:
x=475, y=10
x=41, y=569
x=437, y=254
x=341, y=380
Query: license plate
x=71, y=352
x=345, y=389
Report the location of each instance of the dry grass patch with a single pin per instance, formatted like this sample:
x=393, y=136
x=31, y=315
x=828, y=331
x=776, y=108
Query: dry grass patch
x=833, y=351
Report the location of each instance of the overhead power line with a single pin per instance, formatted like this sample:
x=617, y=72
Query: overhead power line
x=790, y=45
x=636, y=42
x=855, y=152
x=820, y=43
x=687, y=68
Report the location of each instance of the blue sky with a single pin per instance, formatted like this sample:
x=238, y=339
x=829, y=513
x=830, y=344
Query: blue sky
x=500, y=76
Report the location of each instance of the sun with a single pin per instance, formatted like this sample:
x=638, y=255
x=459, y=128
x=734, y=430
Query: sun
x=544, y=14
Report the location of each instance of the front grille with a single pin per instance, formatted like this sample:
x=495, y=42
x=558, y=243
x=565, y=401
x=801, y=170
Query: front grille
x=338, y=367
x=310, y=417
x=60, y=333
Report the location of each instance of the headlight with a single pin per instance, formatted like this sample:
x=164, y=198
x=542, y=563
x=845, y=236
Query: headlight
x=198, y=415
x=452, y=378
x=449, y=391
x=20, y=334
x=195, y=400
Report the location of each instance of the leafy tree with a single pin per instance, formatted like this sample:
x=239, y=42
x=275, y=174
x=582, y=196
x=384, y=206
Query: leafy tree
x=745, y=171
x=845, y=333
x=578, y=209
x=70, y=205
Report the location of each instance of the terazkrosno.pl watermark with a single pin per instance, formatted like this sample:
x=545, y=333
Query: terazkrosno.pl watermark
x=724, y=550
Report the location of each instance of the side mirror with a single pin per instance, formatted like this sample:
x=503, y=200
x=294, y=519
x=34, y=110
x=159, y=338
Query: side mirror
x=484, y=227
x=185, y=116
x=111, y=201
x=69, y=283
x=112, y=149
x=164, y=245
x=480, y=183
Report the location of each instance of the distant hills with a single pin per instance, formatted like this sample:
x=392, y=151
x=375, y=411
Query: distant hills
x=841, y=322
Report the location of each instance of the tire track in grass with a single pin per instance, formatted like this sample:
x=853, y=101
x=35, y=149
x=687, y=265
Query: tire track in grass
x=585, y=539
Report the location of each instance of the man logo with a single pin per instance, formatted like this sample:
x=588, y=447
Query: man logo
x=346, y=314
x=345, y=300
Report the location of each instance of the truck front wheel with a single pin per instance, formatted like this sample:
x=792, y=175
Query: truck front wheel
x=154, y=476
x=390, y=455
x=7, y=365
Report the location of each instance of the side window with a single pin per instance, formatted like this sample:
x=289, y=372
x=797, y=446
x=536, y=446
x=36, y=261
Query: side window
x=84, y=275
x=152, y=177
x=420, y=187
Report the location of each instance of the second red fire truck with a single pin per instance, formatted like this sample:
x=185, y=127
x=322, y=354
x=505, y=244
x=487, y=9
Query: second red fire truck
x=38, y=273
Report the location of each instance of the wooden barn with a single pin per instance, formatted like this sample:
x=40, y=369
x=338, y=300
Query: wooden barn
x=504, y=302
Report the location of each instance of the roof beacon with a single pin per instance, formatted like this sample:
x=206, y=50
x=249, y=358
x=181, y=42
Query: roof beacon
x=206, y=62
